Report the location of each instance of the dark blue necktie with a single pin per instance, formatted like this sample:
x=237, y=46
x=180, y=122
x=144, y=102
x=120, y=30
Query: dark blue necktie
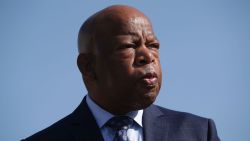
x=120, y=124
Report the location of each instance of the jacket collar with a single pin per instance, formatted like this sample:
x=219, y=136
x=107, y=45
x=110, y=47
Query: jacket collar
x=84, y=126
x=155, y=124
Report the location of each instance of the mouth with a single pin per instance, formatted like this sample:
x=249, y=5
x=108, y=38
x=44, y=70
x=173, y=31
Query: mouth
x=150, y=79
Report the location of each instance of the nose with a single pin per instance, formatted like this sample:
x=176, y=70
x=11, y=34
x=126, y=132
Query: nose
x=143, y=56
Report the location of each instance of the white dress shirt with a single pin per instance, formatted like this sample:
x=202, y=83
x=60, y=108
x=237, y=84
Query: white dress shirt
x=101, y=116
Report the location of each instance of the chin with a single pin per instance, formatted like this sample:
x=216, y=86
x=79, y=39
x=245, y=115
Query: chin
x=145, y=101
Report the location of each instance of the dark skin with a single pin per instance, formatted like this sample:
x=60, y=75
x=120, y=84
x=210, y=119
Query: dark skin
x=123, y=74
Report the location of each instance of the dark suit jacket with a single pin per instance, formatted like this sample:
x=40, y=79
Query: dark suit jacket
x=159, y=124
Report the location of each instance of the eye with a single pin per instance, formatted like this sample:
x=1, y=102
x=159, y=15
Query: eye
x=126, y=46
x=154, y=45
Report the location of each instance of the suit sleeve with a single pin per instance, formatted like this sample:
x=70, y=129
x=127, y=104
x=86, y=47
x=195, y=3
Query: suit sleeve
x=212, y=132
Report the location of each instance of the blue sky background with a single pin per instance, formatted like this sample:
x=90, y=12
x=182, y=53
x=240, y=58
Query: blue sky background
x=205, y=52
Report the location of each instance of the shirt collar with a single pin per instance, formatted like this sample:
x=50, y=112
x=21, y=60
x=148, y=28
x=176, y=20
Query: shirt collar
x=102, y=116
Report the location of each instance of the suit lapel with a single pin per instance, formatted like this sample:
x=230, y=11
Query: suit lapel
x=155, y=126
x=84, y=126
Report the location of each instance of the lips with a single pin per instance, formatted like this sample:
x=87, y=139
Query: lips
x=150, y=79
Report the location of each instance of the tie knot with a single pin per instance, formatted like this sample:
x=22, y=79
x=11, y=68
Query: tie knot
x=120, y=122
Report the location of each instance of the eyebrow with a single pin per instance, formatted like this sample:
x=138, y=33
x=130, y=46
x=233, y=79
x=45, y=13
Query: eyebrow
x=137, y=35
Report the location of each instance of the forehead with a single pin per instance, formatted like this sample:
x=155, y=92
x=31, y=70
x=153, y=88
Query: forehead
x=134, y=25
x=139, y=25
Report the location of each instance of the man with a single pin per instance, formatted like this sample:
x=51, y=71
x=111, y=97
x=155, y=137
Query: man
x=119, y=62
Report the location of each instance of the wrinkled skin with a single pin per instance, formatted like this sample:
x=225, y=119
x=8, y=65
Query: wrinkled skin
x=126, y=71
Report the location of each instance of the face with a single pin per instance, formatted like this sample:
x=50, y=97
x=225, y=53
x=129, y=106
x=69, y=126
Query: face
x=127, y=66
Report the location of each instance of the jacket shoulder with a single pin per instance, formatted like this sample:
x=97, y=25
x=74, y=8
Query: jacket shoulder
x=57, y=131
x=193, y=125
x=181, y=115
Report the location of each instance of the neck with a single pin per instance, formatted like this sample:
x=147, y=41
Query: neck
x=114, y=108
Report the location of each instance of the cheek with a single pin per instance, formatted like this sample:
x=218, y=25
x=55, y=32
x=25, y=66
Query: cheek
x=158, y=67
x=124, y=54
x=156, y=54
x=123, y=61
x=115, y=68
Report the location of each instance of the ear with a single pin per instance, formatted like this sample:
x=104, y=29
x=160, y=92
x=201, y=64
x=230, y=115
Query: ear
x=86, y=63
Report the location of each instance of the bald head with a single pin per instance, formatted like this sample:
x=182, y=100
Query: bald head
x=112, y=18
